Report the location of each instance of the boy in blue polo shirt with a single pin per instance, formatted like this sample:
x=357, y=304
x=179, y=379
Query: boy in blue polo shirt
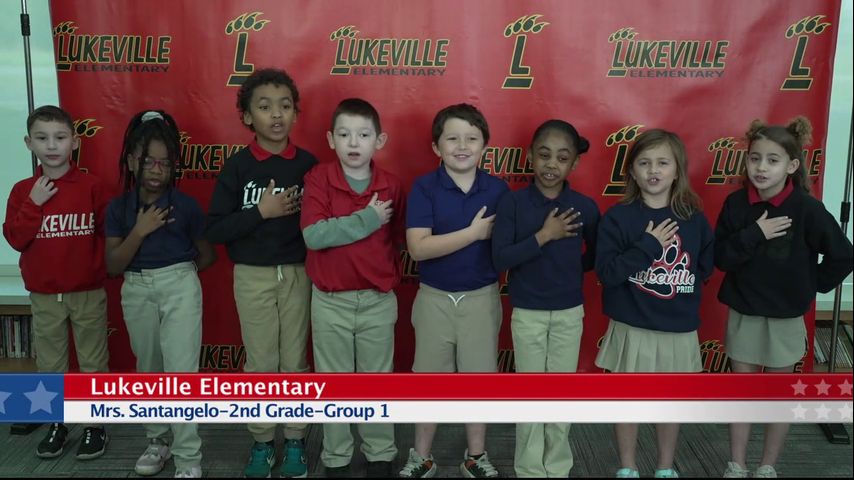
x=457, y=311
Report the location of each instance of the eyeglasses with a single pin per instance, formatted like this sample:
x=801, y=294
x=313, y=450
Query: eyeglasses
x=149, y=163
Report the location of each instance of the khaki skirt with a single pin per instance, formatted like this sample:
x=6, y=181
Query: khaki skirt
x=765, y=341
x=631, y=349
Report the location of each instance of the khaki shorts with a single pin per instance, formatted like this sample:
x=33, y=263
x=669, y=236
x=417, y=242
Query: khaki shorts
x=456, y=331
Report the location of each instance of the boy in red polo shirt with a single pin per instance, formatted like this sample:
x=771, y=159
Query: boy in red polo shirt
x=353, y=226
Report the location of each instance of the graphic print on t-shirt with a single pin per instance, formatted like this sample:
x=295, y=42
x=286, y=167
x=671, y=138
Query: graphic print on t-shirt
x=668, y=275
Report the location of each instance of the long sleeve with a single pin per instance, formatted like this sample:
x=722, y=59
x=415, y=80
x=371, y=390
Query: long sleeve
x=706, y=262
x=338, y=231
x=734, y=245
x=615, y=263
x=227, y=220
x=826, y=237
x=507, y=253
x=590, y=232
x=23, y=219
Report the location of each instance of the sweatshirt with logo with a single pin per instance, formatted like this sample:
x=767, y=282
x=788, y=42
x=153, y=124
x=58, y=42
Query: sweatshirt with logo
x=778, y=278
x=62, y=241
x=645, y=285
x=234, y=218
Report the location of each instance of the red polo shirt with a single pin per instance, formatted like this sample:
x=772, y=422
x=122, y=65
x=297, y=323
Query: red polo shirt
x=777, y=200
x=370, y=263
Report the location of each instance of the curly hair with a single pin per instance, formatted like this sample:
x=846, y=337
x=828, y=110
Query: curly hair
x=265, y=76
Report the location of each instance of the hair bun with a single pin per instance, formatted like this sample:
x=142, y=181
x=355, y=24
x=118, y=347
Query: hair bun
x=801, y=128
x=583, y=145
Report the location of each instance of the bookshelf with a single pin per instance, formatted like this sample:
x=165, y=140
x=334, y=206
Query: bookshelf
x=844, y=345
x=15, y=324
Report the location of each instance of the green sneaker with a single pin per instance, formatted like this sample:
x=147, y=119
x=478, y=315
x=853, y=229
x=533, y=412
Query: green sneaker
x=261, y=460
x=666, y=473
x=627, y=473
x=293, y=465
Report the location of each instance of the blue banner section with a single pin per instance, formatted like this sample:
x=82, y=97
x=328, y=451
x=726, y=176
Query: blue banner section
x=31, y=398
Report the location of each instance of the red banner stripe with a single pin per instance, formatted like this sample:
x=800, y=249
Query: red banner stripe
x=413, y=386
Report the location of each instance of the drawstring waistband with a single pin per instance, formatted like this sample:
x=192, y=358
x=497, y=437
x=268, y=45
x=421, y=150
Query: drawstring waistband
x=456, y=300
x=279, y=275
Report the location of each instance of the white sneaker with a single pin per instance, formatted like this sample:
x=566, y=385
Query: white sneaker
x=153, y=458
x=734, y=470
x=192, y=472
x=765, y=471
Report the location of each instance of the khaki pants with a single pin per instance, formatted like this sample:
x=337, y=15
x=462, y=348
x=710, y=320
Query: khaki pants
x=87, y=313
x=273, y=305
x=163, y=312
x=545, y=341
x=353, y=331
x=456, y=331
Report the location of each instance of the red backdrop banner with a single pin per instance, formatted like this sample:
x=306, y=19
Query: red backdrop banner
x=612, y=68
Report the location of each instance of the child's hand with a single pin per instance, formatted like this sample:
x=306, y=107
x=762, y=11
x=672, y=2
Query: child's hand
x=481, y=226
x=274, y=205
x=773, y=227
x=42, y=191
x=150, y=220
x=291, y=200
x=383, y=209
x=556, y=227
x=664, y=232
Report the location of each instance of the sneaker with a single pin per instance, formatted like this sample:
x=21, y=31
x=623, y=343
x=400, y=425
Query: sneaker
x=338, y=472
x=666, y=473
x=765, y=471
x=478, y=468
x=51, y=446
x=93, y=443
x=378, y=469
x=734, y=470
x=261, y=460
x=627, y=473
x=418, y=466
x=293, y=465
x=191, y=472
x=153, y=458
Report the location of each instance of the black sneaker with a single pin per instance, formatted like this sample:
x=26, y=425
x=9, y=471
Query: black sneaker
x=92, y=443
x=338, y=472
x=378, y=469
x=51, y=446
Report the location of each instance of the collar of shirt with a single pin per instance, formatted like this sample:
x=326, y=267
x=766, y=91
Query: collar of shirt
x=337, y=180
x=69, y=176
x=261, y=154
x=448, y=183
x=777, y=200
x=537, y=197
x=161, y=202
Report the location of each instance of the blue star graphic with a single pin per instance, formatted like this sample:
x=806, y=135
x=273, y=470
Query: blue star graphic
x=40, y=399
x=3, y=397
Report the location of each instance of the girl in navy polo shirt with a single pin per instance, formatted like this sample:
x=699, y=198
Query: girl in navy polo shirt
x=545, y=235
x=154, y=236
x=768, y=238
x=653, y=254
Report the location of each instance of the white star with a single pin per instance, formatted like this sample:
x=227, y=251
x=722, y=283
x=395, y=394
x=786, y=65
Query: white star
x=845, y=412
x=800, y=412
x=845, y=387
x=800, y=387
x=3, y=397
x=40, y=399
x=823, y=388
x=822, y=412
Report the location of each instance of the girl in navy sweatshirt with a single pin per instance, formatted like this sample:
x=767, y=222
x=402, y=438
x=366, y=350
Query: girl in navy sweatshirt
x=653, y=254
x=769, y=235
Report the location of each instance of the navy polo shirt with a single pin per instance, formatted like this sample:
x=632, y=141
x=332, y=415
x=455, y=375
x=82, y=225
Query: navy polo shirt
x=170, y=244
x=548, y=277
x=436, y=202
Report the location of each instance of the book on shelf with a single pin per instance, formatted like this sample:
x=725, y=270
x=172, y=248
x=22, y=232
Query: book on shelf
x=843, y=347
x=16, y=336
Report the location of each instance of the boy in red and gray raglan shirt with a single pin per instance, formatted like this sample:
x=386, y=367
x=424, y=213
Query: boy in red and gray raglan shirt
x=352, y=221
x=55, y=219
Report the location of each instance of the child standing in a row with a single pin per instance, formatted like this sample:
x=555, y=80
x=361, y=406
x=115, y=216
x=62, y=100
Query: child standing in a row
x=768, y=239
x=545, y=235
x=654, y=252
